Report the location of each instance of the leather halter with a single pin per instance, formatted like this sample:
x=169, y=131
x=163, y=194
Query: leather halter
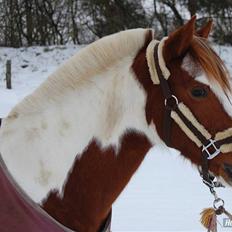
x=210, y=148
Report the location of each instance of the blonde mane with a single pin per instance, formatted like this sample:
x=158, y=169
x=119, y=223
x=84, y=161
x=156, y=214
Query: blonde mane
x=78, y=70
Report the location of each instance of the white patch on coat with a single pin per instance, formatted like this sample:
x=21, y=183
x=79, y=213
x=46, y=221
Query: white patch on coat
x=195, y=71
x=42, y=136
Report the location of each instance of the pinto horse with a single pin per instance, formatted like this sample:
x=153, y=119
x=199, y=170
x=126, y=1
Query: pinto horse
x=75, y=142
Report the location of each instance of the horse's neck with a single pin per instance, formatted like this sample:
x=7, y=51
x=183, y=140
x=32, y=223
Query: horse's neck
x=114, y=116
x=102, y=110
x=102, y=125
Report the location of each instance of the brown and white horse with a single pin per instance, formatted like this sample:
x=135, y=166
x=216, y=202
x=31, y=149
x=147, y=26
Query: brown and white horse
x=74, y=143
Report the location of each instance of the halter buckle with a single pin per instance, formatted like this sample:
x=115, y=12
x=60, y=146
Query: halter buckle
x=211, y=149
x=171, y=101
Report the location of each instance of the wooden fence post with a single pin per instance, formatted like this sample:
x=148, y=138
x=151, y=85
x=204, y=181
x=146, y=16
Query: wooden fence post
x=8, y=74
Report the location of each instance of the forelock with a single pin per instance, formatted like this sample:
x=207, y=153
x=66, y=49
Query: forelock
x=211, y=64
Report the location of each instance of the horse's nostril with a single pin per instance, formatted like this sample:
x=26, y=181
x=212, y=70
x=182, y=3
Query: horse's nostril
x=228, y=169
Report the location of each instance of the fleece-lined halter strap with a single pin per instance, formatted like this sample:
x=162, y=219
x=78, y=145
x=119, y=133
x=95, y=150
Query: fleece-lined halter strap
x=181, y=114
x=184, y=118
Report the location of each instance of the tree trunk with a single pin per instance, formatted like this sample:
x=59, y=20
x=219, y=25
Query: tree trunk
x=192, y=7
x=29, y=21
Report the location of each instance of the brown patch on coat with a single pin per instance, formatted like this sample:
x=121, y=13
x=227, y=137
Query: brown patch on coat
x=94, y=183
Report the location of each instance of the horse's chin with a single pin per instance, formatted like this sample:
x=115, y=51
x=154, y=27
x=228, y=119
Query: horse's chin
x=226, y=174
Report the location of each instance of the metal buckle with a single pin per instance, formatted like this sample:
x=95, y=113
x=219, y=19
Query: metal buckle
x=172, y=97
x=215, y=152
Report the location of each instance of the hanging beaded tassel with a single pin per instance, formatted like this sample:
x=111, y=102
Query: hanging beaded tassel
x=209, y=219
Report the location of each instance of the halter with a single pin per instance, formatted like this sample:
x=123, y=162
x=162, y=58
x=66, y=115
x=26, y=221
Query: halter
x=177, y=111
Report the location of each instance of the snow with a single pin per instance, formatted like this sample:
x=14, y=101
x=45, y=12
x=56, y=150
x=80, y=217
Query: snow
x=10, y=99
x=165, y=194
x=32, y=65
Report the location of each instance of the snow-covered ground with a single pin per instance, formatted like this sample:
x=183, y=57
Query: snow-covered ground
x=166, y=194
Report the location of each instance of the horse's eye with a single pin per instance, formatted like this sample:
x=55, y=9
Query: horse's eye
x=199, y=92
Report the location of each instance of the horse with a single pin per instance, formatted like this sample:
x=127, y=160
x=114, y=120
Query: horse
x=74, y=143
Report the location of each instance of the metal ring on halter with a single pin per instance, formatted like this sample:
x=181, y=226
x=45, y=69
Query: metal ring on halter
x=172, y=97
x=216, y=201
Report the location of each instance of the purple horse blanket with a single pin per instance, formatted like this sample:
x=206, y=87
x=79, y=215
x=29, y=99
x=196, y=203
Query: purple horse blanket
x=18, y=213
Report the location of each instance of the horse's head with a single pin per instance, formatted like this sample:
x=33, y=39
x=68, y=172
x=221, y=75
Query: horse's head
x=199, y=80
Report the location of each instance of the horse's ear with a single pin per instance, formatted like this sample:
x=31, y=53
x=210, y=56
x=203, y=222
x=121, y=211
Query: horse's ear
x=205, y=30
x=179, y=41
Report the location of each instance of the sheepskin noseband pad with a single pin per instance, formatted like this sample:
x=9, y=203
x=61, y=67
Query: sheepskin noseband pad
x=151, y=62
x=223, y=135
x=224, y=148
x=188, y=114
